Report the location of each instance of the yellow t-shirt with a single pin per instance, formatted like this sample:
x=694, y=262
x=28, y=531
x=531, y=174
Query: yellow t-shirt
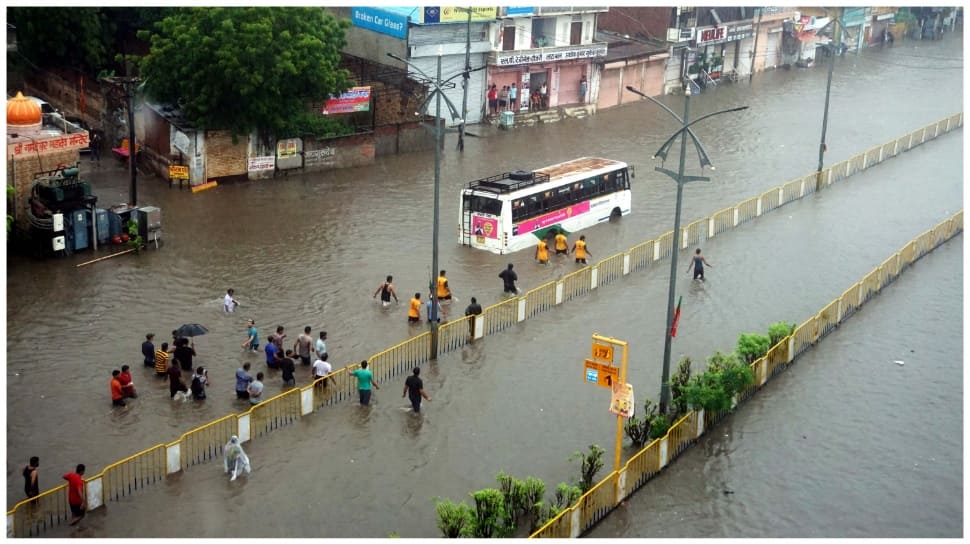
x=542, y=252
x=443, y=290
x=580, y=249
x=561, y=242
x=161, y=361
x=415, y=310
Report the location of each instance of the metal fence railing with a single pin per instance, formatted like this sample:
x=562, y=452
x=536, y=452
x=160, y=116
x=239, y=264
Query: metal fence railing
x=591, y=508
x=31, y=518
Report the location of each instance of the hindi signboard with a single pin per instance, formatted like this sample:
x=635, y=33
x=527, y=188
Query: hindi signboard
x=178, y=172
x=356, y=99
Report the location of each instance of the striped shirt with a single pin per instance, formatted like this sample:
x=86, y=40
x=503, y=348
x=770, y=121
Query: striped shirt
x=161, y=361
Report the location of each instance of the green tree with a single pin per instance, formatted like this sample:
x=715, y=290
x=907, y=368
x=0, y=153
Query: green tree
x=245, y=68
x=59, y=36
x=454, y=519
x=591, y=464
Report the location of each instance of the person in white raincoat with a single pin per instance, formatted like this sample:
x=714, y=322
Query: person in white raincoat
x=234, y=459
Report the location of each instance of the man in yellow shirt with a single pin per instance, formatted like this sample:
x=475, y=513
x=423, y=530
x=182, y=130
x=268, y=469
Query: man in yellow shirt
x=444, y=292
x=414, y=312
x=161, y=360
x=579, y=249
x=542, y=252
x=562, y=245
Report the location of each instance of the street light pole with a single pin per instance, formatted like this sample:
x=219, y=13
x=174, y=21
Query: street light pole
x=464, y=95
x=127, y=84
x=822, y=148
x=438, y=85
x=680, y=179
x=433, y=314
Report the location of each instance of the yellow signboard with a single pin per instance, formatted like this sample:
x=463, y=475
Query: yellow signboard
x=600, y=374
x=178, y=172
x=460, y=15
x=621, y=402
x=603, y=352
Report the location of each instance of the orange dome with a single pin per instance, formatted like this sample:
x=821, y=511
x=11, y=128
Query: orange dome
x=22, y=111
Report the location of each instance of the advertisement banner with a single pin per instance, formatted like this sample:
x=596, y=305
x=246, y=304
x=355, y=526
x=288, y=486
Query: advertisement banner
x=262, y=163
x=381, y=21
x=356, y=99
x=542, y=55
x=622, y=402
x=551, y=218
x=484, y=227
x=286, y=148
x=451, y=14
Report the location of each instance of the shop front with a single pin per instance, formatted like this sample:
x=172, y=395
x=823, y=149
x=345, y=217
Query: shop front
x=721, y=50
x=561, y=71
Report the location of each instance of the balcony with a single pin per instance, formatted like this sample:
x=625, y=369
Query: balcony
x=547, y=54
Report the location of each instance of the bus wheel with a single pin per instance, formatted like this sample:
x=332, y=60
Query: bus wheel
x=615, y=214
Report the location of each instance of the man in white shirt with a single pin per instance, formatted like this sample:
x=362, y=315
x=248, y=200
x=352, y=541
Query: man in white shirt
x=228, y=303
x=321, y=346
x=321, y=368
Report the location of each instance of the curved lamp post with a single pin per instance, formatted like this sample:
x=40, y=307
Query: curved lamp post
x=678, y=177
x=438, y=84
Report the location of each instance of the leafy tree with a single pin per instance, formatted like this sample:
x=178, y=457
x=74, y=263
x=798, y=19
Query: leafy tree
x=59, y=36
x=715, y=388
x=245, y=68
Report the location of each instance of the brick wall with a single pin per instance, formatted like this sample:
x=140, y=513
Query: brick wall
x=223, y=158
x=65, y=95
x=342, y=152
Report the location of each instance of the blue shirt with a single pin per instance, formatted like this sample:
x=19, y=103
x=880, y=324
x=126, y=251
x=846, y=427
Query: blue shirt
x=242, y=379
x=271, y=354
x=513, y=92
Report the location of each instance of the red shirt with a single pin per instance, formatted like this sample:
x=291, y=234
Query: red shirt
x=116, y=390
x=125, y=379
x=492, y=94
x=75, y=485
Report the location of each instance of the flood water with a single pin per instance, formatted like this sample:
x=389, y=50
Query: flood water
x=311, y=250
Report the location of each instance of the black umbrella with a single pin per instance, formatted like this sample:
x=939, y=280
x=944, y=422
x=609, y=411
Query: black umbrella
x=191, y=330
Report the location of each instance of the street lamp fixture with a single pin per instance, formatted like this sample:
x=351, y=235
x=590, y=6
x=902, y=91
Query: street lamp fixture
x=439, y=85
x=680, y=179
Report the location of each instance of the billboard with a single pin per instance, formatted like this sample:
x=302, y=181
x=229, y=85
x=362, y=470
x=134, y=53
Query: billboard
x=452, y=14
x=356, y=99
x=378, y=20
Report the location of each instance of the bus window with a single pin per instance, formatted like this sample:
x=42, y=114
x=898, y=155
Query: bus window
x=533, y=205
x=608, y=183
x=592, y=188
x=621, y=180
x=484, y=205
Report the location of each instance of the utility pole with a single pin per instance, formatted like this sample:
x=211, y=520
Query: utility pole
x=754, y=52
x=128, y=85
x=464, y=96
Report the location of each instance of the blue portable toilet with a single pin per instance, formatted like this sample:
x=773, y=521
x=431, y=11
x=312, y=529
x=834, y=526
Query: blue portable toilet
x=80, y=226
x=114, y=224
x=101, y=220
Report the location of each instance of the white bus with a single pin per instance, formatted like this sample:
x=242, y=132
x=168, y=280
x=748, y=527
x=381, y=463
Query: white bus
x=511, y=211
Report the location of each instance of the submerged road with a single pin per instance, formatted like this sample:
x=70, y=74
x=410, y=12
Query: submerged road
x=516, y=402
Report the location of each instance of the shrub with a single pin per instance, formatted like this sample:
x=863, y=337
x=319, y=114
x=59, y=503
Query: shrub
x=714, y=390
x=642, y=430
x=591, y=464
x=752, y=346
x=567, y=495
x=533, y=490
x=513, y=492
x=454, y=519
x=489, y=513
x=778, y=331
x=677, y=383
